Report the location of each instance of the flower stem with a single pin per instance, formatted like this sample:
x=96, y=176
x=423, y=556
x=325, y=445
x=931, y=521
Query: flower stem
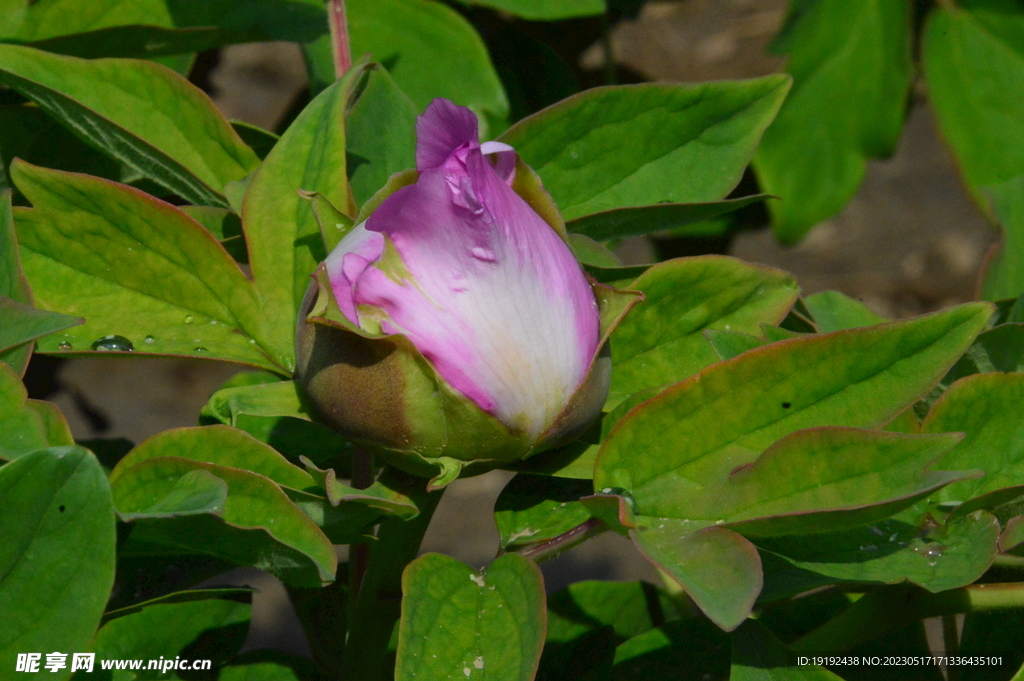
x=555, y=546
x=339, y=37
x=890, y=608
x=379, y=603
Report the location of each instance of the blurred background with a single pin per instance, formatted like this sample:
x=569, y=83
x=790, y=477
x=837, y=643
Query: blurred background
x=911, y=240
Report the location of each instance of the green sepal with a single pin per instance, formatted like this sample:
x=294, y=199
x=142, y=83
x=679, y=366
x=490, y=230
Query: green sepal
x=334, y=224
x=379, y=390
x=528, y=185
x=450, y=470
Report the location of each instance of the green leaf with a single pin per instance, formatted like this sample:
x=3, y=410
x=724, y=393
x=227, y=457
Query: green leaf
x=140, y=113
x=728, y=344
x=703, y=428
x=194, y=493
x=271, y=665
x=624, y=222
x=268, y=398
x=999, y=349
x=629, y=608
x=383, y=495
x=661, y=342
x=221, y=445
x=987, y=407
x=458, y=622
x=137, y=268
x=758, y=655
x=992, y=631
x=892, y=551
x=57, y=553
x=719, y=569
x=834, y=311
x=212, y=629
x=224, y=225
x=1004, y=267
x=13, y=283
x=284, y=239
x=587, y=620
x=687, y=649
x=847, y=477
x=228, y=592
x=637, y=145
x=544, y=10
x=534, y=508
x=576, y=460
x=131, y=27
x=23, y=323
x=975, y=76
x=256, y=138
x=333, y=224
x=428, y=48
x=1013, y=534
x=431, y=51
x=256, y=513
x=55, y=426
x=276, y=413
x=592, y=253
x=22, y=429
x=848, y=104
x=28, y=133
x=381, y=134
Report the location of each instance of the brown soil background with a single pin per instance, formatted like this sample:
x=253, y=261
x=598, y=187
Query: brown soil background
x=909, y=242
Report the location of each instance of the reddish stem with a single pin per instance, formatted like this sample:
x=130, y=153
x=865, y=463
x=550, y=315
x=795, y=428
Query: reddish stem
x=339, y=37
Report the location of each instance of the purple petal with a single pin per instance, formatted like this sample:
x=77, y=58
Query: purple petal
x=485, y=289
x=504, y=159
x=443, y=128
x=347, y=262
x=496, y=300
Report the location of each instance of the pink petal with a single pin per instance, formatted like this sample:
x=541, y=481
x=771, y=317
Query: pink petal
x=486, y=290
x=443, y=128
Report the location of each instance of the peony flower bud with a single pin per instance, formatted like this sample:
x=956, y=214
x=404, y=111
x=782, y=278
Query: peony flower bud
x=453, y=326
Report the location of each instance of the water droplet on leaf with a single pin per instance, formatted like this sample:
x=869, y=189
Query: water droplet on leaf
x=113, y=344
x=149, y=339
x=188, y=319
x=64, y=345
x=930, y=551
x=199, y=348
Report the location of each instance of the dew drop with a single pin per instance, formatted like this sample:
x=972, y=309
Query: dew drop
x=149, y=339
x=199, y=348
x=618, y=491
x=484, y=254
x=113, y=344
x=64, y=345
x=930, y=551
x=188, y=319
